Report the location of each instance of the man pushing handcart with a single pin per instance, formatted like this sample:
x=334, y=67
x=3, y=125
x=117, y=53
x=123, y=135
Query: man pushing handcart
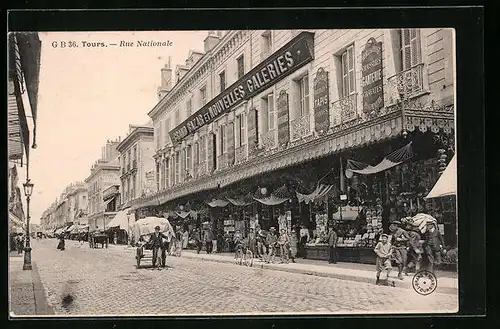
x=154, y=234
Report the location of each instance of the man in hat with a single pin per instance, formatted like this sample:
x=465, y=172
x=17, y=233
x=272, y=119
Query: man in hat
x=433, y=246
x=271, y=241
x=400, y=239
x=415, y=251
x=383, y=249
x=156, y=242
x=332, y=244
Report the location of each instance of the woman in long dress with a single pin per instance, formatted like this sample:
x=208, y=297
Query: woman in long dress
x=62, y=243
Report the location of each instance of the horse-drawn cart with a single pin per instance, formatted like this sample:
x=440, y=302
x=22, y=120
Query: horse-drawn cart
x=143, y=229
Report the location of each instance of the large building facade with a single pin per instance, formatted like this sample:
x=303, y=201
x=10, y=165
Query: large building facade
x=137, y=165
x=104, y=173
x=312, y=102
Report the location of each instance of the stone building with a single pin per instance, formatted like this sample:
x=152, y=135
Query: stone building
x=287, y=107
x=103, y=174
x=136, y=152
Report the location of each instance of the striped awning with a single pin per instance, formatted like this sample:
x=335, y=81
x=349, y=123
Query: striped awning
x=15, y=143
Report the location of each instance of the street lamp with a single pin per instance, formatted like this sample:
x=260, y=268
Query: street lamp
x=28, y=191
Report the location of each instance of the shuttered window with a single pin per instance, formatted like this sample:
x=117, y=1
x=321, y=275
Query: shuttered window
x=411, y=52
x=167, y=172
x=271, y=115
x=222, y=139
x=304, y=95
x=177, y=167
x=189, y=107
x=188, y=159
x=241, y=66
x=348, y=72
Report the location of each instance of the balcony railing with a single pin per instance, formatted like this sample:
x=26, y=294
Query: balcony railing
x=406, y=83
x=344, y=110
x=201, y=170
x=300, y=127
x=240, y=154
x=222, y=162
x=269, y=139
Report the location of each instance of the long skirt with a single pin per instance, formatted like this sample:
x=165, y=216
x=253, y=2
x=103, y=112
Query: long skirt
x=61, y=245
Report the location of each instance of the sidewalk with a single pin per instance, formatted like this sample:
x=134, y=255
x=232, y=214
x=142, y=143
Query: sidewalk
x=27, y=295
x=344, y=271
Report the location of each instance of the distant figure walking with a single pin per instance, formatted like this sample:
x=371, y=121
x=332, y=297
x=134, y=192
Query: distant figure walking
x=62, y=243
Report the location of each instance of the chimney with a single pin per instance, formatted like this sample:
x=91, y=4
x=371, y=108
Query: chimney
x=166, y=79
x=211, y=40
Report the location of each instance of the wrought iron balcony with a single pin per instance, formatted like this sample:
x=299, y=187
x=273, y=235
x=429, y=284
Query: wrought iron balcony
x=300, y=127
x=406, y=84
x=344, y=110
x=222, y=162
x=240, y=154
x=269, y=139
x=201, y=169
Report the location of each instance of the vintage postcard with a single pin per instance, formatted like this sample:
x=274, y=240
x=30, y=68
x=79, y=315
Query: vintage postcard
x=235, y=172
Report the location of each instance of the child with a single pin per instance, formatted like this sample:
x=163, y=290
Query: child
x=271, y=241
x=284, y=244
x=383, y=249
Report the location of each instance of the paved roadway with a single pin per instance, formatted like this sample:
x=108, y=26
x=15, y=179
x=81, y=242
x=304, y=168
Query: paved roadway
x=106, y=282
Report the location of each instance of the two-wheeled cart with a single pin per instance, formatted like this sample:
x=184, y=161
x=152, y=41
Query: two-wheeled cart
x=143, y=229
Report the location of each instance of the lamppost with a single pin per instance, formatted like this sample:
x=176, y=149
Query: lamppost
x=28, y=190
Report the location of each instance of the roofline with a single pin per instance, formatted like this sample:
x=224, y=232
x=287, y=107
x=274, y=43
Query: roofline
x=207, y=56
x=137, y=132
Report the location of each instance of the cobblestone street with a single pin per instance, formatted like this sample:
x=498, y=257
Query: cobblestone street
x=106, y=282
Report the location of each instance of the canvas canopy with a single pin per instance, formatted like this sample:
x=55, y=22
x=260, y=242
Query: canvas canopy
x=391, y=160
x=447, y=182
x=319, y=192
x=120, y=220
x=146, y=226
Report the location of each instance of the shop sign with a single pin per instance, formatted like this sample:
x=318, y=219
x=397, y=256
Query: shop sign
x=321, y=102
x=283, y=122
x=371, y=76
x=289, y=58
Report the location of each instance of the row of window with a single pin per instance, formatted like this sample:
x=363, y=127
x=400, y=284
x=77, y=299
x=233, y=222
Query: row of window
x=128, y=158
x=129, y=188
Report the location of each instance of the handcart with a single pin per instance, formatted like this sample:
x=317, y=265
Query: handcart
x=143, y=229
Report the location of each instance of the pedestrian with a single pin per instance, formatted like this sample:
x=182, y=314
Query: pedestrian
x=20, y=243
x=293, y=245
x=156, y=243
x=260, y=240
x=198, y=240
x=208, y=240
x=304, y=238
x=332, y=246
x=62, y=244
x=383, y=249
x=284, y=245
x=252, y=242
x=415, y=251
x=271, y=242
x=433, y=246
x=400, y=238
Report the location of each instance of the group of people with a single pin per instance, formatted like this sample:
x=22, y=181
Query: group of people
x=409, y=249
x=17, y=243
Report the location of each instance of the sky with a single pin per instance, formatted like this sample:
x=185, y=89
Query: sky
x=90, y=94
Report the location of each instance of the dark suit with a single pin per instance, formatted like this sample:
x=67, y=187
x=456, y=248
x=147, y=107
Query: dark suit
x=332, y=243
x=155, y=243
